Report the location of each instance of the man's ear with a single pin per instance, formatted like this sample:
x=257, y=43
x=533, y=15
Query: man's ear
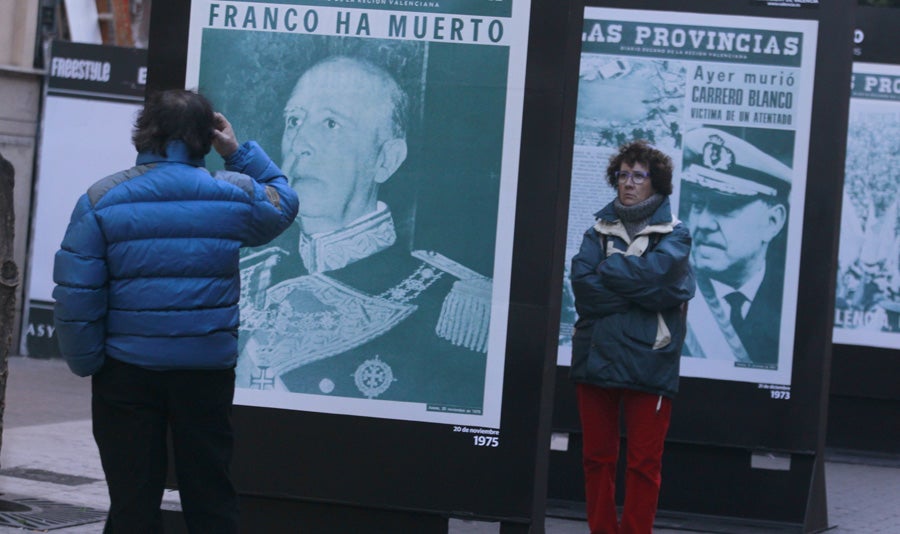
x=776, y=216
x=390, y=157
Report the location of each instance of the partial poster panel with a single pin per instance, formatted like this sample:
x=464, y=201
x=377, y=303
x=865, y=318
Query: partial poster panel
x=867, y=295
x=398, y=124
x=729, y=99
x=94, y=93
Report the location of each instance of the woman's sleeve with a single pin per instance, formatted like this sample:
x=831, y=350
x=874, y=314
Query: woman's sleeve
x=660, y=279
x=592, y=297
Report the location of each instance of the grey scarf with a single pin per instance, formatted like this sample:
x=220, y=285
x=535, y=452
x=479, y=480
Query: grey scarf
x=635, y=218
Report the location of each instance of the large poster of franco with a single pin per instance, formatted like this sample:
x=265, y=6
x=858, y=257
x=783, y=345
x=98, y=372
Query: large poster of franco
x=380, y=300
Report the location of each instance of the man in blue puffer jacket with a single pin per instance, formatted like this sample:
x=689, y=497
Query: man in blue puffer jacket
x=147, y=304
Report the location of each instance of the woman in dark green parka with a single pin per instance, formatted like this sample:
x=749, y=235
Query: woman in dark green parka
x=632, y=280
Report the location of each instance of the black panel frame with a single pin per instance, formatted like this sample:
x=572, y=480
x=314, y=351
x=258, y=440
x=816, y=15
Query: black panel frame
x=334, y=460
x=291, y=460
x=864, y=392
x=717, y=425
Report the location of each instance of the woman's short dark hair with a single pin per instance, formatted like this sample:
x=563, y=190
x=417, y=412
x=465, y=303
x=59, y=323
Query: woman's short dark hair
x=658, y=164
x=174, y=115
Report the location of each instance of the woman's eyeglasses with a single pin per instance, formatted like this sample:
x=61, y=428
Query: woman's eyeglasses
x=638, y=177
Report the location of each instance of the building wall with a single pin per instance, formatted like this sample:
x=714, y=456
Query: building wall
x=18, y=23
x=20, y=93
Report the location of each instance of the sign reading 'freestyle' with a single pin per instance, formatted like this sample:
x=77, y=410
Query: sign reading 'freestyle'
x=84, y=70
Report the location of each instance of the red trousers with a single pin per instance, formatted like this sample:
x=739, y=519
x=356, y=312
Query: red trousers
x=646, y=422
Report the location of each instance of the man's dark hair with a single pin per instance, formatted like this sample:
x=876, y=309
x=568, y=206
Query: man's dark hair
x=658, y=164
x=175, y=115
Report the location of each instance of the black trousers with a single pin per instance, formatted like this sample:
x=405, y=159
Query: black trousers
x=133, y=409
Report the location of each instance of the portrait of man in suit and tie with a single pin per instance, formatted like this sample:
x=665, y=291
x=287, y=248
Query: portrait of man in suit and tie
x=734, y=198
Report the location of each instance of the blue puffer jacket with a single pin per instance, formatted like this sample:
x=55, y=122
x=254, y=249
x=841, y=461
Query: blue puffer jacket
x=148, y=269
x=630, y=296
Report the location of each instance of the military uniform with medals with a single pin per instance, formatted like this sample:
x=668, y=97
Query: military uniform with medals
x=353, y=313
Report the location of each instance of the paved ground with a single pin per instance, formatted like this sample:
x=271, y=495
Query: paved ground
x=48, y=456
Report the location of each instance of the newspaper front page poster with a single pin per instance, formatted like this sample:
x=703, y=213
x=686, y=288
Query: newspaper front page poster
x=398, y=124
x=867, y=291
x=728, y=98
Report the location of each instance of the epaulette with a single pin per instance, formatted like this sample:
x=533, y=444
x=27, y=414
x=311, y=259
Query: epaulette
x=256, y=273
x=465, y=317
